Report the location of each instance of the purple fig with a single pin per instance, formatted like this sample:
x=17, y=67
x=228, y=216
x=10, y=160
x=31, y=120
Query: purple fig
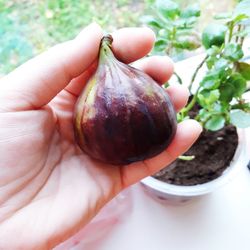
x=122, y=115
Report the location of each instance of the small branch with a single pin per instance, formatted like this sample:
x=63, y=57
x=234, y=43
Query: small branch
x=191, y=104
x=238, y=30
x=241, y=105
x=231, y=27
x=196, y=72
x=178, y=78
x=242, y=41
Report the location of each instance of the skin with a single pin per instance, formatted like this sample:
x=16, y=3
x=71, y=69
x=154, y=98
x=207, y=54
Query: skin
x=49, y=189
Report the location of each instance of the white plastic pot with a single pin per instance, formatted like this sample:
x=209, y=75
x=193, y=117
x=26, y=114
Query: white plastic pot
x=176, y=194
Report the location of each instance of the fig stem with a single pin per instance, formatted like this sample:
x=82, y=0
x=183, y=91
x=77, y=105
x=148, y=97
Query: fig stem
x=107, y=39
x=105, y=48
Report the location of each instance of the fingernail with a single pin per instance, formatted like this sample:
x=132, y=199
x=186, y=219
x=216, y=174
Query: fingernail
x=192, y=125
x=197, y=125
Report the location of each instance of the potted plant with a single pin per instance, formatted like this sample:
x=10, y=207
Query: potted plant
x=216, y=101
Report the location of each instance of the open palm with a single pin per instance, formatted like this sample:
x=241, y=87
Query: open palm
x=49, y=189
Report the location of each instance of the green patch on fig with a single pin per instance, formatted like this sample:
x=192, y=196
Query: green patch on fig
x=122, y=115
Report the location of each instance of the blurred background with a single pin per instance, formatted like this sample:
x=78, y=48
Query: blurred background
x=28, y=27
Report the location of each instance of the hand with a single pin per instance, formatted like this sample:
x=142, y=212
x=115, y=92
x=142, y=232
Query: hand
x=49, y=189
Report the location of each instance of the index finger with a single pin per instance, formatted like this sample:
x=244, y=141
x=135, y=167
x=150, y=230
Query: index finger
x=129, y=45
x=38, y=81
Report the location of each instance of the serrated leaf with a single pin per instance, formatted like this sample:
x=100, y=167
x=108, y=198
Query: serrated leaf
x=233, y=52
x=167, y=8
x=215, y=123
x=244, y=69
x=191, y=11
x=214, y=35
x=239, y=118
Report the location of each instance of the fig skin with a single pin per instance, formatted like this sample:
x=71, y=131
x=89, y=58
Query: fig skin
x=122, y=115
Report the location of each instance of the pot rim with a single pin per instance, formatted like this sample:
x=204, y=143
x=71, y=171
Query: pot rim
x=239, y=160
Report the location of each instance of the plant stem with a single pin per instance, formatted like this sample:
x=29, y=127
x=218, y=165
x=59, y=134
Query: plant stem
x=238, y=30
x=241, y=105
x=196, y=72
x=231, y=27
x=178, y=78
x=242, y=41
x=191, y=104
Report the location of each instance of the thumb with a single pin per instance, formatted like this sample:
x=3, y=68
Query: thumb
x=39, y=80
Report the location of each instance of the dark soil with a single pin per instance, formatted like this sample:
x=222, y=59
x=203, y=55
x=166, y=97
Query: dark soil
x=213, y=152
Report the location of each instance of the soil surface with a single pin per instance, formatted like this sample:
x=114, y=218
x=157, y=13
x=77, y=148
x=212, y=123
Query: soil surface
x=213, y=152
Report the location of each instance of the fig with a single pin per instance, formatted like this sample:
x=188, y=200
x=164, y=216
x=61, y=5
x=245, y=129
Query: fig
x=122, y=115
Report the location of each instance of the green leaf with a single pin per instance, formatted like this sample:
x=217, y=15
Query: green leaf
x=221, y=64
x=244, y=69
x=233, y=52
x=215, y=123
x=151, y=21
x=204, y=115
x=239, y=18
x=214, y=56
x=242, y=8
x=223, y=68
x=220, y=108
x=213, y=51
x=214, y=34
x=186, y=23
x=165, y=33
x=191, y=11
x=160, y=45
x=239, y=83
x=168, y=9
x=239, y=118
x=210, y=61
x=210, y=81
x=208, y=97
x=187, y=42
x=224, y=15
x=189, y=22
x=226, y=92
